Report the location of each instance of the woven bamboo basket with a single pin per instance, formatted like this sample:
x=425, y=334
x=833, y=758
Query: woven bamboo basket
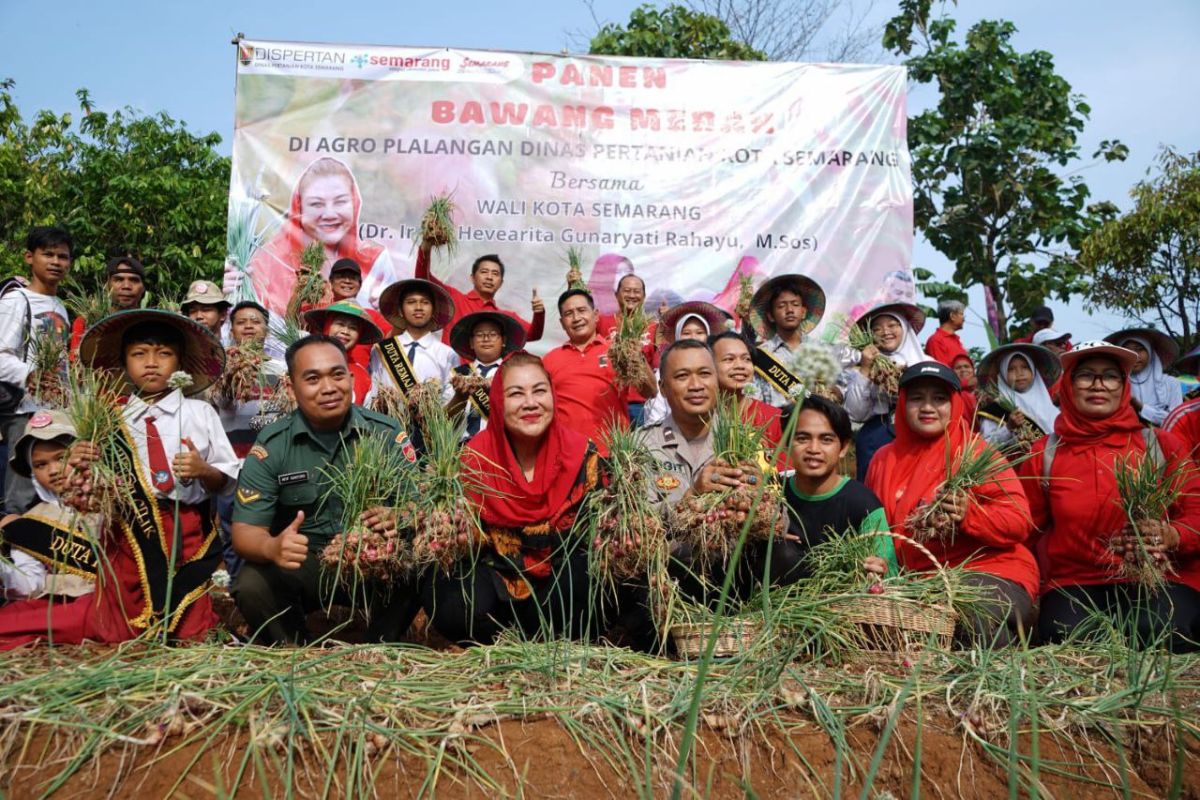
x=735, y=636
x=897, y=624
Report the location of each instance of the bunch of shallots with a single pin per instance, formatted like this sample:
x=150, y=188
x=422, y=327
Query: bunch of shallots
x=243, y=379
x=625, y=350
x=47, y=379
x=627, y=532
x=442, y=536
x=437, y=224
x=366, y=554
x=575, y=269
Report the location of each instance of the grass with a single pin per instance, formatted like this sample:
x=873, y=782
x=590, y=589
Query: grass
x=325, y=721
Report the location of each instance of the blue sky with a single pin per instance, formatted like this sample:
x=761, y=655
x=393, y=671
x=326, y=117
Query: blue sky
x=1136, y=65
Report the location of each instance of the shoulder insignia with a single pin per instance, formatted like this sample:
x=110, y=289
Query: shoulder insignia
x=259, y=452
x=668, y=435
x=247, y=496
x=666, y=483
x=406, y=446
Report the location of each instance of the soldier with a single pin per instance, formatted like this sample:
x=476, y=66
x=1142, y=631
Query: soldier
x=282, y=518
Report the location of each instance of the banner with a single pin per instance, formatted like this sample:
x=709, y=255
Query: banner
x=689, y=173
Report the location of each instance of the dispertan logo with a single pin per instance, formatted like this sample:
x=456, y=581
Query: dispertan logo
x=360, y=60
x=245, y=54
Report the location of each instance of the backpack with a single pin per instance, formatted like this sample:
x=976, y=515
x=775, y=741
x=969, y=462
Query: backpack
x=1153, y=450
x=10, y=393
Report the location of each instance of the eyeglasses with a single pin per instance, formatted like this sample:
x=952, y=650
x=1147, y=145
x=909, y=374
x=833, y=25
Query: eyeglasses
x=1085, y=378
x=486, y=335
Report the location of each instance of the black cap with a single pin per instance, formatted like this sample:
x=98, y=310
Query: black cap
x=129, y=263
x=930, y=369
x=346, y=265
x=1042, y=314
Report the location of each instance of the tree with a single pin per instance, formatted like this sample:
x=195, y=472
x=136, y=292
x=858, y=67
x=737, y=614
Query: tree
x=986, y=161
x=798, y=30
x=673, y=32
x=121, y=182
x=1147, y=262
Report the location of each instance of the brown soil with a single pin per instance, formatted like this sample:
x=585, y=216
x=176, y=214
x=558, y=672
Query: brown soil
x=539, y=758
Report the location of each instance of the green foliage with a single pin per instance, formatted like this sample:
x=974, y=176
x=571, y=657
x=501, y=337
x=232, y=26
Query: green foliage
x=988, y=192
x=1147, y=262
x=121, y=182
x=672, y=32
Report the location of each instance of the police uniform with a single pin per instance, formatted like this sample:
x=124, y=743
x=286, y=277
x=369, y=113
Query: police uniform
x=284, y=473
x=679, y=464
x=679, y=461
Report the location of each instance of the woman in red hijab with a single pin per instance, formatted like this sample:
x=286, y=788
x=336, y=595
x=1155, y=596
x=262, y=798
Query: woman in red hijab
x=324, y=208
x=533, y=473
x=992, y=520
x=1083, y=528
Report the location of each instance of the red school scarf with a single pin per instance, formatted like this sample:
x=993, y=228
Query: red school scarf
x=514, y=502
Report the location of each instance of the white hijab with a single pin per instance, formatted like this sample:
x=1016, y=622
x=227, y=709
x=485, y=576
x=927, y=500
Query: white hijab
x=1034, y=402
x=44, y=493
x=1152, y=386
x=684, y=321
x=909, y=352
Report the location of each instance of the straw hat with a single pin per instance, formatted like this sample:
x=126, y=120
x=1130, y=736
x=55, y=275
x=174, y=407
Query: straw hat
x=460, y=334
x=1166, y=348
x=906, y=311
x=1044, y=361
x=811, y=294
x=715, y=318
x=1190, y=363
x=369, y=332
x=203, y=357
x=392, y=297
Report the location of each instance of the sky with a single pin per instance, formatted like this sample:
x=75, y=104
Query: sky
x=1135, y=65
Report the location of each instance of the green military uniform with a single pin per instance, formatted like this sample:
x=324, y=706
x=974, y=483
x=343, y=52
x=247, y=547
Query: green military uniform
x=679, y=461
x=284, y=473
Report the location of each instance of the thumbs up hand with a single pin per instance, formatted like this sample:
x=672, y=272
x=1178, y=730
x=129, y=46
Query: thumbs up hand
x=539, y=307
x=291, y=546
x=189, y=464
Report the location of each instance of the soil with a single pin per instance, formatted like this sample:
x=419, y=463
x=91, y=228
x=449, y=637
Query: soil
x=539, y=758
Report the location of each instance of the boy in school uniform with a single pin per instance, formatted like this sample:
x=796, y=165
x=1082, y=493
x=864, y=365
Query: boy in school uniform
x=172, y=455
x=419, y=308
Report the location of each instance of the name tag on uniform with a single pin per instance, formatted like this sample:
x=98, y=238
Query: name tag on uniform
x=293, y=477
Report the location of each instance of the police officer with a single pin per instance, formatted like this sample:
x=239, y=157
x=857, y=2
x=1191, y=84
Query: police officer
x=282, y=518
x=682, y=443
x=683, y=447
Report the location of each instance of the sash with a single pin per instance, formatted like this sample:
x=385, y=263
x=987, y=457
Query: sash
x=774, y=372
x=140, y=524
x=397, y=363
x=479, y=398
x=62, y=548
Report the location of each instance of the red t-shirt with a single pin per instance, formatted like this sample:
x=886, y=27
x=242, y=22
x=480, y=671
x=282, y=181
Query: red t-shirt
x=770, y=419
x=470, y=302
x=586, y=396
x=945, y=347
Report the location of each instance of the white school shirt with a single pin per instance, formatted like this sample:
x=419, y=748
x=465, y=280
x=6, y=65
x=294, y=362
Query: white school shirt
x=46, y=315
x=432, y=360
x=198, y=421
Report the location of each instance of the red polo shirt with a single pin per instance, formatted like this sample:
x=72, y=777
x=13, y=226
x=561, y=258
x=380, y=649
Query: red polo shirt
x=1184, y=422
x=471, y=302
x=945, y=347
x=586, y=395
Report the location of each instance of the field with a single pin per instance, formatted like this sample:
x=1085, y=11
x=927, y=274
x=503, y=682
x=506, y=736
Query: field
x=554, y=719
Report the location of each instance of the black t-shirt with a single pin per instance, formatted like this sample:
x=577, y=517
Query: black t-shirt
x=850, y=505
